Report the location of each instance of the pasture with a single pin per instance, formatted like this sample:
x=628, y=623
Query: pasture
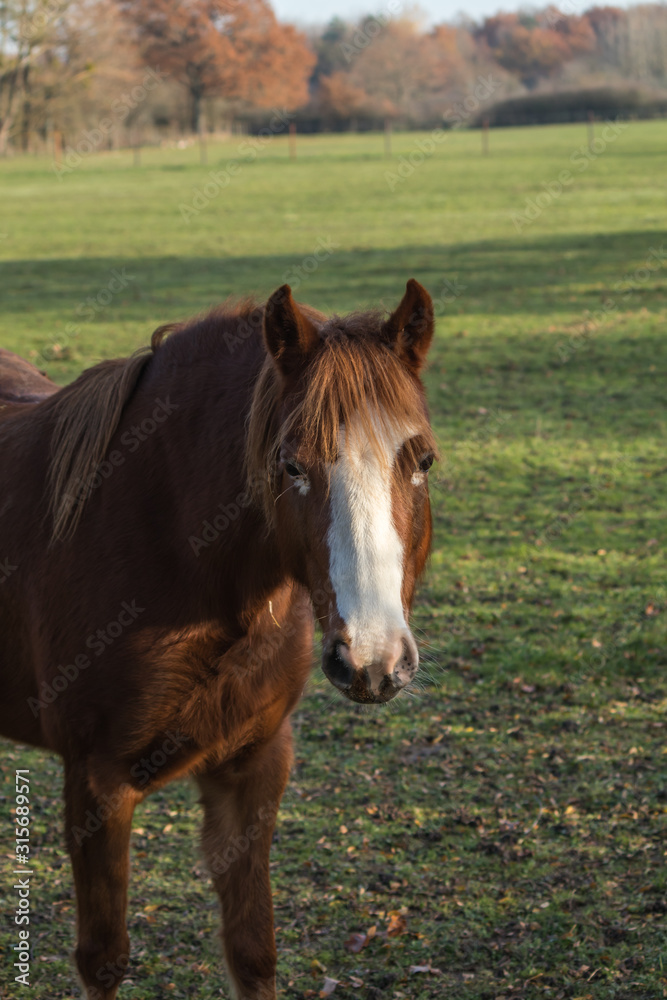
x=503, y=829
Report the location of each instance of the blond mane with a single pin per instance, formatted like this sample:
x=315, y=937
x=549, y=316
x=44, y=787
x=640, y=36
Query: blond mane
x=353, y=379
x=87, y=414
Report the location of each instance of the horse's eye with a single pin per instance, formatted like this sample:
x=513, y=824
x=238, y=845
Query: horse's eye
x=426, y=463
x=293, y=470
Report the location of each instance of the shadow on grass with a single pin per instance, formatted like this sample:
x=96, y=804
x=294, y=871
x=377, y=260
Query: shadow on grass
x=608, y=377
x=496, y=277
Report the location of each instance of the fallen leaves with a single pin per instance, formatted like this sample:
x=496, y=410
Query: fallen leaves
x=396, y=926
x=397, y=923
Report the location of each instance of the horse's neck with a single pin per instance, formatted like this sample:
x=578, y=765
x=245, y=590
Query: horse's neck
x=198, y=461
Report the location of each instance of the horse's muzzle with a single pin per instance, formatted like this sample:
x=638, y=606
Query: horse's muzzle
x=374, y=683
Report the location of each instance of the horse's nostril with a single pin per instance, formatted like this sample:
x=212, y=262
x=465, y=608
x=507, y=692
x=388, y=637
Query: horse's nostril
x=405, y=667
x=389, y=686
x=339, y=671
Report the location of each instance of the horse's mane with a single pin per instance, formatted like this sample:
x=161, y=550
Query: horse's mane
x=352, y=379
x=87, y=413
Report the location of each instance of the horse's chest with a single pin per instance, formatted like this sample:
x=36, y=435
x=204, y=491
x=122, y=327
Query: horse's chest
x=244, y=694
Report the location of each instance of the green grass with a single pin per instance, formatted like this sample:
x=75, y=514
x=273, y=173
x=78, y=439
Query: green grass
x=513, y=811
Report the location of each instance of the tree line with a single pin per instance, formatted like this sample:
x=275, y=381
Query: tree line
x=174, y=67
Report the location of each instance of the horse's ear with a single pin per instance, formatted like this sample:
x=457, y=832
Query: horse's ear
x=290, y=336
x=409, y=329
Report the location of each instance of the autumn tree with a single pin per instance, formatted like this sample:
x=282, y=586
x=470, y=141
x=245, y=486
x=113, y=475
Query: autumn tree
x=632, y=42
x=86, y=63
x=454, y=60
x=392, y=68
x=535, y=46
x=340, y=98
x=237, y=50
x=397, y=69
x=60, y=62
x=24, y=26
x=610, y=27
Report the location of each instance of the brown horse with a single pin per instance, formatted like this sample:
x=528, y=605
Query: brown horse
x=168, y=523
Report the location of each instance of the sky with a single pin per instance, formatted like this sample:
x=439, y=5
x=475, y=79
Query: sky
x=435, y=11
x=305, y=12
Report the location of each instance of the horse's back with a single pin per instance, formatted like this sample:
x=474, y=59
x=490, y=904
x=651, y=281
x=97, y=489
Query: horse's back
x=21, y=382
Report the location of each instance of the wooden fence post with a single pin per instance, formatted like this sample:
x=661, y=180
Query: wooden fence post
x=203, y=151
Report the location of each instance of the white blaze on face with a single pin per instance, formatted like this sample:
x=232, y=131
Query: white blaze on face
x=366, y=552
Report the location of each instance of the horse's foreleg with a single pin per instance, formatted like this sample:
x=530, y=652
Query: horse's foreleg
x=240, y=804
x=98, y=839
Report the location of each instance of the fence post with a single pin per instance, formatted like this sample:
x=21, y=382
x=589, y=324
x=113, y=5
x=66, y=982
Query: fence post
x=203, y=151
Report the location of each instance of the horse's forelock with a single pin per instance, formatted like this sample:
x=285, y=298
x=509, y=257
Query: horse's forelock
x=353, y=380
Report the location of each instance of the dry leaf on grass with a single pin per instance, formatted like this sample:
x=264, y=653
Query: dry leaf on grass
x=397, y=924
x=355, y=943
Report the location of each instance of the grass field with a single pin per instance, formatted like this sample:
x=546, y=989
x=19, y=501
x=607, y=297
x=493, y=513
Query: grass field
x=506, y=825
